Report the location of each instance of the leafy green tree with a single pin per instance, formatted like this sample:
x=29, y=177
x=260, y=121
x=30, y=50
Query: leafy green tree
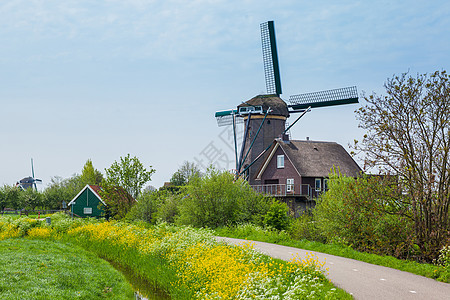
x=90, y=175
x=31, y=199
x=147, y=205
x=359, y=212
x=130, y=174
x=217, y=200
x=118, y=201
x=408, y=135
x=3, y=199
x=185, y=173
x=13, y=197
x=60, y=190
x=123, y=184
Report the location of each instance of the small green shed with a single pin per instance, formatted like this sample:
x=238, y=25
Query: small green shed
x=88, y=202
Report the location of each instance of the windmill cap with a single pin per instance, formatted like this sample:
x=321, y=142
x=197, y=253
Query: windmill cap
x=277, y=105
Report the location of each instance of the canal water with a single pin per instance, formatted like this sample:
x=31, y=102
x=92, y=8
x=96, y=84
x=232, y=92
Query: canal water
x=144, y=290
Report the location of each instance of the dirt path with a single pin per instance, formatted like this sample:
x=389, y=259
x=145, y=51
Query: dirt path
x=364, y=280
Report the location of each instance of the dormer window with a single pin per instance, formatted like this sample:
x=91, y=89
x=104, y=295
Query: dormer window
x=280, y=161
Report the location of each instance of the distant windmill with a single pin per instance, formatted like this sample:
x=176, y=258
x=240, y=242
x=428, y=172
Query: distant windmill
x=265, y=115
x=29, y=182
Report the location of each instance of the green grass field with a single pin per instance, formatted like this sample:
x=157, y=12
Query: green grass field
x=38, y=269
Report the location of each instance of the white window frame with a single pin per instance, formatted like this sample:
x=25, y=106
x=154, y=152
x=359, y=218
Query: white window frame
x=87, y=210
x=317, y=187
x=290, y=185
x=280, y=161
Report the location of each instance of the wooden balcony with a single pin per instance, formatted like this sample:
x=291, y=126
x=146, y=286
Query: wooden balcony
x=285, y=190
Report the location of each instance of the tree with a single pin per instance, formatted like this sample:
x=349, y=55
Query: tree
x=3, y=199
x=31, y=198
x=358, y=212
x=123, y=184
x=216, y=199
x=13, y=197
x=61, y=190
x=90, y=175
x=408, y=136
x=130, y=174
x=185, y=173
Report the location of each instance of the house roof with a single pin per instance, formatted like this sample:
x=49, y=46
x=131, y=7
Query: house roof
x=278, y=106
x=314, y=158
x=95, y=190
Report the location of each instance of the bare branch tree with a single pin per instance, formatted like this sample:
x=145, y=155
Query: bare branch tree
x=408, y=136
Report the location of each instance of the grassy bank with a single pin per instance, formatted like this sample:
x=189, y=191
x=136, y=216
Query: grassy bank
x=252, y=232
x=37, y=269
x=188, y=263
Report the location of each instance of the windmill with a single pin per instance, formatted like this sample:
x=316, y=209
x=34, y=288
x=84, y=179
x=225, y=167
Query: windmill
x=29, y=182
x=265, y=115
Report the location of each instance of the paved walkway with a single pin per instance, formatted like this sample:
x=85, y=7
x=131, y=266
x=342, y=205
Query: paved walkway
x=364, y=280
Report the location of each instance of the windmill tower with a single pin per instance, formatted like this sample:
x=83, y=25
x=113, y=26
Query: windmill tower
x=265, y=115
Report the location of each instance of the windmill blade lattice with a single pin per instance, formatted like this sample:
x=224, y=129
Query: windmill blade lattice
x=270, y=58
x=225, y=118
x=339, y=96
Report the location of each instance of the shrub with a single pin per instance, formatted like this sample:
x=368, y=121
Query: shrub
x=444, y=257
x=359, y=213
x=216, y=199
x=146, y=207
x=277, y=217
x=304, y=227
x=168, y=209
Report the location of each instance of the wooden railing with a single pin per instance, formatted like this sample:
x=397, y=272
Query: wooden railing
x=283, y=190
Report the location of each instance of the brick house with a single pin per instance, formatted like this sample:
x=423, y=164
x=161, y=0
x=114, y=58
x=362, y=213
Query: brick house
x=298, y=170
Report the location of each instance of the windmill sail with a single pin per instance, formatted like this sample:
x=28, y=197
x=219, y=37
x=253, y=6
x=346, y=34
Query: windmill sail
x=225, y=117
x=270, y=58
x=334, y=97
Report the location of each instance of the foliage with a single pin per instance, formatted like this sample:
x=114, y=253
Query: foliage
x=118, y=201
x=3, y=199
x=444, y=257
x=31, y=199
x=357, y=212
x=12, y=196
x=184, y=173
x=408, y=135
x=61, y=190
x=90, y=175
x=36, y=269
x=147, y=206
x=304, y=227
x=168, y=209
x=217, y=200
x=129, y=174
x=277, y=216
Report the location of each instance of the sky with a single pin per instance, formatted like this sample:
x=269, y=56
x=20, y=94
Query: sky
x=100, y=79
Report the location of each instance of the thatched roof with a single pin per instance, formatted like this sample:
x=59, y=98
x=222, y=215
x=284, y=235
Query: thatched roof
x=316, y=159
x=278, y=106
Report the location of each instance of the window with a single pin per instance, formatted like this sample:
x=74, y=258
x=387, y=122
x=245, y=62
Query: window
x=290, y=185
x=318, y=182
x=87, y=210
x=280, y=161
x=325, y=184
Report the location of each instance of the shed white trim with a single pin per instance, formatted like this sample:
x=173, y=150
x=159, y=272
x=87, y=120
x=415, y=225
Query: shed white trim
x=86, y=187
